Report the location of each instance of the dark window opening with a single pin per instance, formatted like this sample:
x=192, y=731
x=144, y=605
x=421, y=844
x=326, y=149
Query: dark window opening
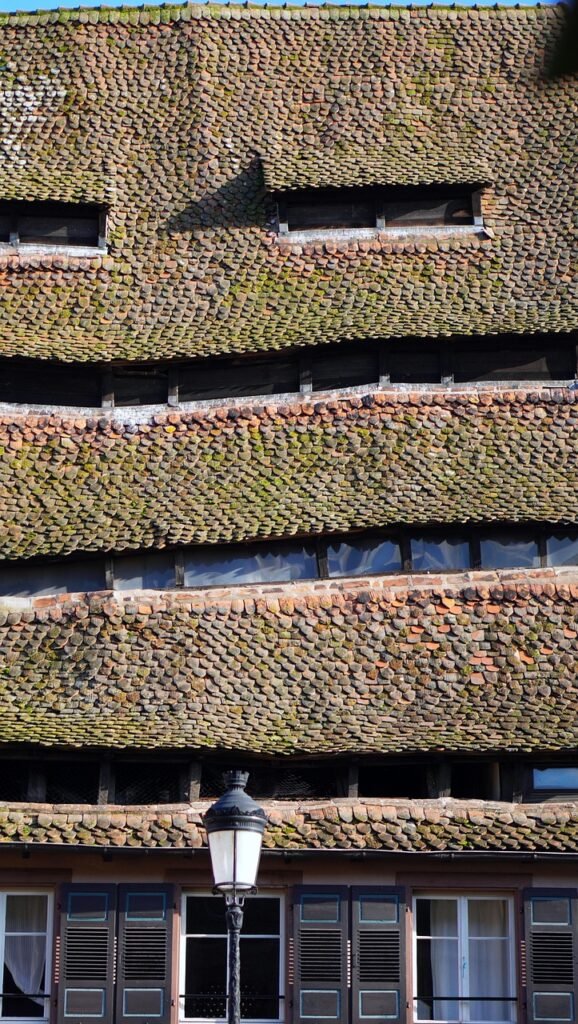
x=139, y=385
x=14, y=780
x=71, y=782
x=393, y=779
x=206, y=959
x=149, y=783
x=409, y=207
x=50, y=223
x=471, y=780
x=350, y=364
x=279, y=781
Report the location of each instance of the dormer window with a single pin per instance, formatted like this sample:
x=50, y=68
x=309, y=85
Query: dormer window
x=48, y=224
x=400, y=208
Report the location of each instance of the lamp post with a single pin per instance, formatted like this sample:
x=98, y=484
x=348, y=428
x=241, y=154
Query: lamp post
x=235, y=826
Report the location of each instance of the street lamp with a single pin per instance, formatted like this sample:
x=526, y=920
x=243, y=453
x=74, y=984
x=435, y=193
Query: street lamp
x=235, y=826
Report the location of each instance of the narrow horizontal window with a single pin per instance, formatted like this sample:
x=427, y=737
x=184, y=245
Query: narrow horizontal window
x=363, y=555
x=430, y=554
x=393, y=207
x=422, y=210
x=402, y=361
x=152, y=571
x=71, y=782
x=509, y=552
x=52, y=578
x=249, y=565
x=346, y=208
x=562, y=549
x=147, y=783
x=51, y=224
x=359, y=554
x=560, y=778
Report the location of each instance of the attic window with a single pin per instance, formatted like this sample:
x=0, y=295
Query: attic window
x=403, y=208
x=66, y=225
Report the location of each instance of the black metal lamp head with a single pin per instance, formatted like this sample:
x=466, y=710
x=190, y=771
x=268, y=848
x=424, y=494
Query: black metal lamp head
x=235, y=826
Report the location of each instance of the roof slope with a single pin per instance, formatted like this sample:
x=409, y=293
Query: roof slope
x=490, y=663
x=172, y=117
x=68, y=483
x=393, y=826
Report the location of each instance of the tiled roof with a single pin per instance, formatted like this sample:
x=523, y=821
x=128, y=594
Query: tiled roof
x=431, y=826
x=71, y=483
x=172, y=115
x=475, y=663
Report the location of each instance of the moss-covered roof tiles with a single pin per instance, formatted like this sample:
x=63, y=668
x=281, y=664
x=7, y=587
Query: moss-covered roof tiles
x=71, y=483
x=172, y=117
x=395, y=826
x=475, y=664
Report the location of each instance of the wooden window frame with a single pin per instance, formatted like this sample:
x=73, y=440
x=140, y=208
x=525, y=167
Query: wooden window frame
x=379, y=195
x=303, y=363
x=18, y=208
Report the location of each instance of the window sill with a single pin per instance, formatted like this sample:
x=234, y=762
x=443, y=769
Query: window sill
x=386, y=240
x=45, y=257
x=52, y=250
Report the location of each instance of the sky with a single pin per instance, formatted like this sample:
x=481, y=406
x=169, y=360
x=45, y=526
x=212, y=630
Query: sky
x=47, y=5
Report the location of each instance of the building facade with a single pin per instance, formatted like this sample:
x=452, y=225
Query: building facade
x=289, y=482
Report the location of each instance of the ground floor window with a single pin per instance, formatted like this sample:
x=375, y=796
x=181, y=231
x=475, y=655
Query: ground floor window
x=464, y=959
x=203, y=975
x=25, y=927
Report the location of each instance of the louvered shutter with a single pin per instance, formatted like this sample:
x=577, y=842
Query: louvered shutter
x=551, y=927
x=377, y=954
x=86, y=972
x=144, y=954
x=321, y=924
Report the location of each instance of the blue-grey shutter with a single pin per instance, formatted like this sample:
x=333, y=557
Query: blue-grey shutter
x=551, y=930
x=378, y=964
x=86, y=971
x=145, y=920
x=321, y=927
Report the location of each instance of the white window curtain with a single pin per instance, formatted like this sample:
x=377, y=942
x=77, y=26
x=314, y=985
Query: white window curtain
x=464, y=960
x=25, y=942
x=444, y=959
x=488, y=959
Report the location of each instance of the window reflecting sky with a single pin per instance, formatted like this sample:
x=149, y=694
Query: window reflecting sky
x=365, y=555
x=509, y=553
x=428, y=554
x=556, y=778
x=561, y=550
x=275, y=565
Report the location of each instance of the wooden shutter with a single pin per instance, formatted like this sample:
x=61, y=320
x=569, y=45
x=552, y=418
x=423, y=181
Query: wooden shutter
x=551, y=927
x=86, y=975
x=144, y=954
x=378, y=954
x=321, y=924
